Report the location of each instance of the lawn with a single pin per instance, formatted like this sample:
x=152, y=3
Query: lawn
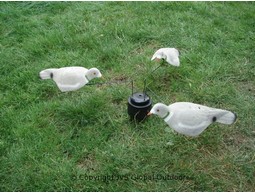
x=83, y=140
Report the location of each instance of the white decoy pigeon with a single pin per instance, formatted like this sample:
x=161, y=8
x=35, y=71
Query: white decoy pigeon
x=70, y=78
x=191, y=119
x=170, y=55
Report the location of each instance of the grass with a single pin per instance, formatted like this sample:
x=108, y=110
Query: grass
x=53, y=141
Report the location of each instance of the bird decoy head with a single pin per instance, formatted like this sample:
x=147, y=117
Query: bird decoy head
x=159, y=55
x=159, y=109
x=93, y=73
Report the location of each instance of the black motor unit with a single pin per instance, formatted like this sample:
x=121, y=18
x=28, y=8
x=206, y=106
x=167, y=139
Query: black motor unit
x=139, y=104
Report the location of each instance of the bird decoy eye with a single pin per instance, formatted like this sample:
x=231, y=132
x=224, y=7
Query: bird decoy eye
x=157, y=110
x=95, y=73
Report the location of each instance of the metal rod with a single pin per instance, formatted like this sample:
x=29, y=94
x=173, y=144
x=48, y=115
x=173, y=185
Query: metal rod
x=132, y=83
x=155, y=69
x=109, y=82
x=162, y=62
x=159, y=98
x=144, y=89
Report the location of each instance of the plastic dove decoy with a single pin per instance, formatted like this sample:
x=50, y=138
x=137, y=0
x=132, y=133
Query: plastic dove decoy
x=170, y=55
x=191, y=119
x=70, y=78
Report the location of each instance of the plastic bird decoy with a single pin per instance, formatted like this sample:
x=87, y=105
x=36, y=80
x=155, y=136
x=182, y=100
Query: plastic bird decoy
x=191, y=119
x=70, y=78
x=170, y=55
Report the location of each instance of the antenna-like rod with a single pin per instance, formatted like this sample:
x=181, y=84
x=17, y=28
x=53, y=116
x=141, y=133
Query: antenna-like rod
x=162, y=62
x=144, y=89
x=132, y=84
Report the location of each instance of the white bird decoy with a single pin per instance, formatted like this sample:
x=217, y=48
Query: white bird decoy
x=170, y=55
x=70, y=78
x=191, y=119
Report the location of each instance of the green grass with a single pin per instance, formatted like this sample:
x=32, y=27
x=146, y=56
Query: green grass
x=50, y=141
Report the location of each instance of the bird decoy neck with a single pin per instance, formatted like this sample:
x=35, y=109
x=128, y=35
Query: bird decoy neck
x=87, y=77
x=167, y=114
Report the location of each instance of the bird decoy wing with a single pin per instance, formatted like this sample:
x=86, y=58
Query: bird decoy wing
x=172, y=57
x=65, y=88
x=190, y=121
x=70, y=80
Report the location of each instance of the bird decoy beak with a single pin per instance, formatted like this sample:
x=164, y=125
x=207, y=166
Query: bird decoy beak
x=149, y=114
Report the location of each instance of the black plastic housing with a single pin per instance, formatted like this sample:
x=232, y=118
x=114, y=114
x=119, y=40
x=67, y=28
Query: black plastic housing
x=139, y=104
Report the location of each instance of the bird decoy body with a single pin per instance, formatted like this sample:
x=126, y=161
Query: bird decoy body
x=191, y=119
x=70, y=78
x=170, y=55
